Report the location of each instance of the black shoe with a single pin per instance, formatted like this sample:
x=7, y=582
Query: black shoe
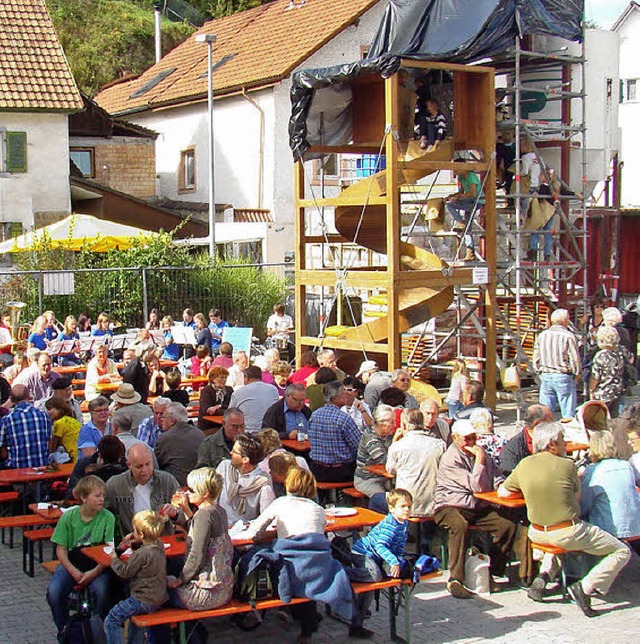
x=536, y=590
x=582, y=600
x=360, y=632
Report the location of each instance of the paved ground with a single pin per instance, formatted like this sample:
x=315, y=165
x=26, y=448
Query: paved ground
x=436, y=617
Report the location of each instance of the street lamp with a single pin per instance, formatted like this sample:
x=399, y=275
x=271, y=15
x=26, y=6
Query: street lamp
x=210, y=40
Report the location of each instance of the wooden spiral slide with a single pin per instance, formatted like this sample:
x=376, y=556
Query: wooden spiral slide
x=415, y=304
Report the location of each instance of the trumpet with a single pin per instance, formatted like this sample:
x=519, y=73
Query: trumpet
x=19, y=334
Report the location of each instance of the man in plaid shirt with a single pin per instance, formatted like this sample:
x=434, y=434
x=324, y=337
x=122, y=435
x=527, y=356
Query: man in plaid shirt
x=334, y=438
x=24, y=433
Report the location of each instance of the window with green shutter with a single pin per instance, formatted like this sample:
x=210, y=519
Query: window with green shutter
x=16, y=151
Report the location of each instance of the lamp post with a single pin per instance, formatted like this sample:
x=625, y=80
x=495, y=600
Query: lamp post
x=210, y=39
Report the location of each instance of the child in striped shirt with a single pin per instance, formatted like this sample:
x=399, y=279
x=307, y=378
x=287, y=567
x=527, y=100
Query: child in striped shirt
x=379, y=553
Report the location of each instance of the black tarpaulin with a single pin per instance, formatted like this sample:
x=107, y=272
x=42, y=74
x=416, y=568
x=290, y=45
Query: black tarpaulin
x=460, y=31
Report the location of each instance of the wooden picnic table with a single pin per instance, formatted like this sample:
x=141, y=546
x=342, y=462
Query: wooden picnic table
x=70, y=369
x=177, y=546
x=102, y=387
x=379, y=470
x=34, y=475
x=214, y=419
x=513, y=501
x=52, y=512
x=296, y=445
x=576, y=447
x=194, y=380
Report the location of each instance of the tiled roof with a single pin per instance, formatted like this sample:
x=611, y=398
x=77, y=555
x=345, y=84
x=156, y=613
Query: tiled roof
x=253, y=48
x=34, y=73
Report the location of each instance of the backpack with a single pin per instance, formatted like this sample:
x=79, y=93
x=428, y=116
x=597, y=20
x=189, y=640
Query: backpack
x=251, y=588
x=83, y=629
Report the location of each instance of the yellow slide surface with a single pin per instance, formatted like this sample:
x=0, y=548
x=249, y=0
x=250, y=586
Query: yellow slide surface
x=415, y=304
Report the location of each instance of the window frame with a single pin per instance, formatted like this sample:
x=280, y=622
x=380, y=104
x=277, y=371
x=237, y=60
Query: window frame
x=5, y=160
x=92, y=159
x=183, y=185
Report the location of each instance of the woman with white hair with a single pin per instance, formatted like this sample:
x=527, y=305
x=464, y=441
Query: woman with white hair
x=609, y=497
x=612, y=317
x=607, y=382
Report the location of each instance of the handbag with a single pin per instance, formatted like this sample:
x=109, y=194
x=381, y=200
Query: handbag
x=476, y=572
x=510, y=378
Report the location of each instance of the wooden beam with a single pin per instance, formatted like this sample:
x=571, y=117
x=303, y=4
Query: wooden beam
x=435, y=279
x=346, y=345
x=392, y=109
x=354, y=279
x=343, y=201
x=300, y=260
x=450, y=67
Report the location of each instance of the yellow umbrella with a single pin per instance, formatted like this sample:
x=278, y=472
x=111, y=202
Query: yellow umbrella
x=79, y=232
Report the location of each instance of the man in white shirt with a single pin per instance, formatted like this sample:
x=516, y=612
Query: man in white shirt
x=254, y=399
x=279, y=325
x=354, y=407
x=247, y=490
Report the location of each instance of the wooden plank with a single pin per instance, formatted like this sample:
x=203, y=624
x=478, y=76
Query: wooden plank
x=332, y=202
x=347, y=345
x=327, y=277
x=450, y=67
x=300, y=259
x=435, y=279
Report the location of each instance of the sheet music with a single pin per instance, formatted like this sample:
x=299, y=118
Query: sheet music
x=183, y=335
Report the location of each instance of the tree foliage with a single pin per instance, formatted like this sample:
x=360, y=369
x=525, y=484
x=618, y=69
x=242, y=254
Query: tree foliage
x=173, y=278
x=108, y=39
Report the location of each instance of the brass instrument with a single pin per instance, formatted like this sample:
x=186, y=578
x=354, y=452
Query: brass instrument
x=19, y=333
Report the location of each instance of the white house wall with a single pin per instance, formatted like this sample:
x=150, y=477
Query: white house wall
x=42, y=192
x=629, y=111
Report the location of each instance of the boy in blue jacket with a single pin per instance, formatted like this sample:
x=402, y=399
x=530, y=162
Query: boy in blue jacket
x=380, y=553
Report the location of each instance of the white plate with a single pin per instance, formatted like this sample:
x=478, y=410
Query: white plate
x=341, y=512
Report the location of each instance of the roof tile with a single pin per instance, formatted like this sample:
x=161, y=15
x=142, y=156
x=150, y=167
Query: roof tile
x=34, y=73
x=264, y=45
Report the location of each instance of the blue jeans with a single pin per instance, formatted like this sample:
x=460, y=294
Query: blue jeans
x=559, y=390
x=365, y=569
x=454, y=407
x=461, y=211
x=548, y=238
x=378, y=503
x=119, y=614
x=61, y=586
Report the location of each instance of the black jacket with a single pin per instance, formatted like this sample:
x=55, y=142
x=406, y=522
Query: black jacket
x=512, y=453
x=274, y=418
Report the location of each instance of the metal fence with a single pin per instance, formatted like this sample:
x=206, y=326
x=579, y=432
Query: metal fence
x=244, y=293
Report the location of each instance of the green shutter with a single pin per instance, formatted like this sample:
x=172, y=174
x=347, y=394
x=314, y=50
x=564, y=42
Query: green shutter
x=621, y=99
x=16, y=151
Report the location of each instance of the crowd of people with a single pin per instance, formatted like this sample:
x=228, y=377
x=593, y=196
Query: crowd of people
x=134, y=458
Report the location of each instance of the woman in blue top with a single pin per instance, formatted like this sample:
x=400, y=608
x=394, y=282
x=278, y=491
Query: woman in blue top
x=171, y=349
x=70, y=333
x=202, y=331
x=38, y=337
x=609, y=497
x=102, y=326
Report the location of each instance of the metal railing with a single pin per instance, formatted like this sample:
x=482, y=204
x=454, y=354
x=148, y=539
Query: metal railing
x=244, y=293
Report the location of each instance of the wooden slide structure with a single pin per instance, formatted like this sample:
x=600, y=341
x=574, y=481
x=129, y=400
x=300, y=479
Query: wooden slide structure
x=415, y=305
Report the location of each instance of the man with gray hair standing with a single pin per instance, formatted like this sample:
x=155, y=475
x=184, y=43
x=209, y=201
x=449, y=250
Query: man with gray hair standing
x=334, y=438
x=151, y=427
x=177, y=446
x=550, y=485
x=557, y=360
x=121, y=425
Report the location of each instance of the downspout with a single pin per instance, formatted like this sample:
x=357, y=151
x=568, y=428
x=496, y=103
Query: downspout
x=261, y=145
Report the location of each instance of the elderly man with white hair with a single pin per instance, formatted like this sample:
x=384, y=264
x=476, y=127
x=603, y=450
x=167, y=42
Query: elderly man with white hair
x=550, y=485
x=557, y=360
x=327, y=358
x=177, y=446
x=612, y=317
x=150, y=428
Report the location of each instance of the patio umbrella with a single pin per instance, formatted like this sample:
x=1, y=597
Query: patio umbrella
x=79, y=232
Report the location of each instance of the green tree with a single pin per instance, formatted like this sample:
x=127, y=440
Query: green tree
x=109, y=39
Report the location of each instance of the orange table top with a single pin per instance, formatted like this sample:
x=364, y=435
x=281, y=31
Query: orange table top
x=71, y=369
x=576, y=447
x=379, y=470
x=214, y=419
x=296, y=446
x=33, y=475
x=194, y=380
x=177, y=546
x=50, y=513
x=108, y=386
x=515, y=501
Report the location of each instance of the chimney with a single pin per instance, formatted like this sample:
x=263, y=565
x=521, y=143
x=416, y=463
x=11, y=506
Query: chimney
x=158, y=5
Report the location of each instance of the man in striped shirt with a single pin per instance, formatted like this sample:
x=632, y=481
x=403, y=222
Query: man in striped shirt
x=557, y=360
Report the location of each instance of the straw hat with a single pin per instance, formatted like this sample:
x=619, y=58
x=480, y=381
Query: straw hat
x=126, y=395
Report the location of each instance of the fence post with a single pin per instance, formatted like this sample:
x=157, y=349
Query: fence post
x=40, y=287
x=145, y=301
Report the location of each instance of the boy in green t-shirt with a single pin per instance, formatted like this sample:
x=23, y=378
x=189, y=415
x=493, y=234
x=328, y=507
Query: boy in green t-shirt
x=460, y=205
x=86, y=525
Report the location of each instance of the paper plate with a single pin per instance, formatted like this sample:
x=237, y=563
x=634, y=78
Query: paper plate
x=341, y=512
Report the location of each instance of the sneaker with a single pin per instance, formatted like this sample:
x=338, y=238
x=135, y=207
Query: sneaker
x=360, y=632
x=458, y=227
x=457, y=590
x=582, y=600
x=536, y=590
x=470, y=256
x=424, y=142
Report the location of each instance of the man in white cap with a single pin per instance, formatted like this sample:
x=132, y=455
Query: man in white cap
x=128, y=398
x=376, y=382
x=464, y=470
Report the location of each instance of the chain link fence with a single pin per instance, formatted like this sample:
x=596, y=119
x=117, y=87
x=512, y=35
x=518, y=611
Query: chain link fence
x=244, y=293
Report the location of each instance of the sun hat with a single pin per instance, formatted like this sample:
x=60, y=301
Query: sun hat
x=126, y=395
x=367, y=365
x=463, y=428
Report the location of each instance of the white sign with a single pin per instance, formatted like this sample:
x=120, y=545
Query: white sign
x=59, y=283
x=480, y=275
